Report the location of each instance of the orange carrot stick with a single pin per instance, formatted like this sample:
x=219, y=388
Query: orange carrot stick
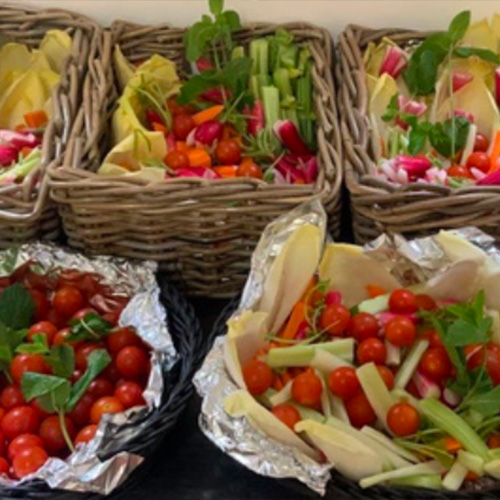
x=375, y=290
x=296, y=319
x=452, y=445
x=225, y=171
x=159, y=127
x=36, y=119
x=181, y=146
x=495, y=152
x=198, y=157
x=208, y=114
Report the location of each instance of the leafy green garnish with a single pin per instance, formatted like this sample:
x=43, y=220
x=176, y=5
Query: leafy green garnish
x=16, y=307
x=449, y=136
x=91, y=327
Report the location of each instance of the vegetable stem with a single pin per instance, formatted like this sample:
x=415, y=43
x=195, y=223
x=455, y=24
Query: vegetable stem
x=64, y=430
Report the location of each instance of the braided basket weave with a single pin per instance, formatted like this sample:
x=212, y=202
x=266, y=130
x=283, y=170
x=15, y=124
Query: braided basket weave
x=378, y=205
x=202, y=232
x=25, y=211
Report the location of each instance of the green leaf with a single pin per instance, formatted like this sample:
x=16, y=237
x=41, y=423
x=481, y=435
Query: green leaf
x=441, y=135
x=459, y=25
x=62, y=360
x=91, y=327
x=96, y=363
x=16, y=307
x=392, y=109
x=52, y=392
x=231, y=19
x=38, y=346
x=417, y=139
x=216, y=6
x=487, y=403
x=462, y=333
x=484, y=54
x=197, y=39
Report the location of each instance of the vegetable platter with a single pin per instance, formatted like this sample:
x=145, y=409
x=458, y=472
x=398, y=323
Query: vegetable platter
x=43, y=59
x=96, y=363
x=380, y=363
x=420, y=115
x=215, y=130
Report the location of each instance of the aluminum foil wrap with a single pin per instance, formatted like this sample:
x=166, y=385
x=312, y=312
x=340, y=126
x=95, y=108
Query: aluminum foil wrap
x=83, y=471
x=411, y=261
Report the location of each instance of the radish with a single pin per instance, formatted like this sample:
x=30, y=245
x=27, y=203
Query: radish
x=289, y=136
x=8, y=155
x=208, y=132
x=394, y=62
x=460, y=79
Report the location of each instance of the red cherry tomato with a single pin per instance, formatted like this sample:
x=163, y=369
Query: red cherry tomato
x=481, y=143
x=29, y=460
x=132, y=362
x=258, y=377
x=371, y=350
x=403, y=419
x=433, y=337
x=360, y=411
x=80, y=414
x=61, y=338
x=403, y=302
x=21, y=442
x=249, y=170
x=183, y=124
x=42, y=413
x=479, y=160
x=52, y=434
x=307, y=389
x=19, y=420
x=83, y=353
x=121, y=338
x=100, y=387
x=459, y=171
x=111, y=372
x=228, y=152
x=104, y=406
x=335, y=319
x=425, y=302
x=364, y=326
x=130, y=394
x=23, y=363
x=343, y=382
x=86, y=434
x=83, y=312
x=435, y=363
x=42, y=305
x=67, y=301
x=43, y=327
x=400, y=331
x=387, y=376
x=11, y=397
x=493, y=362
x=4, y=467
x=287, y=414
x=177, y=159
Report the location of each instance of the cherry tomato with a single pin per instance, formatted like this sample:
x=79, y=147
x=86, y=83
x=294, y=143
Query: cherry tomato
x=76, y=376
x=176, y=108
x=425, y=302
x=403, y=302
x=80, y=414
x=258, y=377
x=479, y=160
x=21, y=442
x=335, y=319
x=249, y=170
x=100, y=387
x=42, y=305
x=493, y=363
x=177, y=159
x=42, y=413
x=61, y=336
x=12, y=397
x=43, y=327
x=111, y=372
x=481, y=143
x=29, y=460
x=83, y=312
x=52, y=434
x=343, y=382
x=307, y=389
x=433, y=337
x=371, y=350
x=363, y=326
x=86, y=434
x=4, y=467
x=494, y=440
x=287, y=414
x=403, y=419
x=103, y=406
x=132, y=362
x=228, y=152
x=182, y=126
x=67, y=301
x=387, y=376
x=2, y=443
x=400, y=331
x=360, y=411
x=130, y=394
x=23, y=363
x=19, y=420
x=121, y=338
x=459, y=171
x=83, y=353
x=435, y=363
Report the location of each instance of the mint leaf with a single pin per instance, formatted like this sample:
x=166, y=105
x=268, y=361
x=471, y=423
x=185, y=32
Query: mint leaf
x=417, y=139
x=197, y=39
x=38, y=346
x=62, y=360
x=484, y=54
x=441, y=136
x=52, y=392
x=16, y=307
x=91, y=327
x=458, y=26
x=487, y=403
x=462, y=333
x=232, y=19
x=216, y=6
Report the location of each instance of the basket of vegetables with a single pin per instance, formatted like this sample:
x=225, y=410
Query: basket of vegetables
x=96, y=362
x=420, y=125
x=218, y=129
x=43, y=57
x=380, y=364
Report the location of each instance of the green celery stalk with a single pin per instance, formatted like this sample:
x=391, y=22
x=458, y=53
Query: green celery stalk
x=238, y=52
x=255, y=87
x=410, y=364
x=448, y=421
x=308, y=414
x=304, y=56
x=471, y=462
x=431, y=481
x=455, y=477
x=24, y=167
x=306, y=116
x=281, y=79
x=271, y=103
x=254, y=56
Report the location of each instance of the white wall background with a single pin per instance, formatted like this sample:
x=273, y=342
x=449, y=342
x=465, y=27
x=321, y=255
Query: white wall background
x=333, y=14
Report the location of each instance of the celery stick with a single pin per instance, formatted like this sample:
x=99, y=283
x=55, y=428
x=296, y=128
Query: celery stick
x=338, y=408
x=471, y=462
x=375, y=305
x=264, y=58
x=288, y=104
x=494, y=454
x=304, y=56
x=271, y=102
x=265, y=399
x=431, y=481
x=389, y=443
x=455, y=477
x=308, y=414
x=238, y=52
x=325, y=361
x=393, y=354
x=410, y=364
x=282, y=396
x=254, y=56
x=448, y=421
x=255, y=87
x=325, y=400
x=307, y=121
x=493, y=468
x=402, y=395
x=426, y=468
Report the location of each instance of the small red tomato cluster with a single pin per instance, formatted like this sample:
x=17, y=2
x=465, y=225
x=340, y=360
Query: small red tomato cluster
x=479, y=160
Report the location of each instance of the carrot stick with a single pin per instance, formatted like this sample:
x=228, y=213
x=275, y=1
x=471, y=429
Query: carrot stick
x=181, y=146
x=495, y=152
x=208, y=114
x=310, y=286
x=375, y=290
x=296, y=319
x=225, y=171
x=198, y=157
x=159, y=127
x=452, y=445
x=36, y=119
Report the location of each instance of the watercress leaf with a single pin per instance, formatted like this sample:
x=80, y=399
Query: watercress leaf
x=232, y=19
x=62, y=360
x=487, y=403
x=484, y=54
x=462, y=333
x=417, y=139
x=459, y=25
x=216, y=6
x=197, y=39
x=36, y=385
x=96, y=363
x=5, y=354
x=16, y=307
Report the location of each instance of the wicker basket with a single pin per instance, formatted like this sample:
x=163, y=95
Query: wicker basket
x=377, y=205
x=203, y=232
x=25, y=211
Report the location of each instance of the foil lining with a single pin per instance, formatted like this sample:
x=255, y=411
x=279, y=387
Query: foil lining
x=410, y=261
x=100, y=465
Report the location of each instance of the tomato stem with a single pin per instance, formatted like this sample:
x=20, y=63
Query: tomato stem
x=64, y=430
